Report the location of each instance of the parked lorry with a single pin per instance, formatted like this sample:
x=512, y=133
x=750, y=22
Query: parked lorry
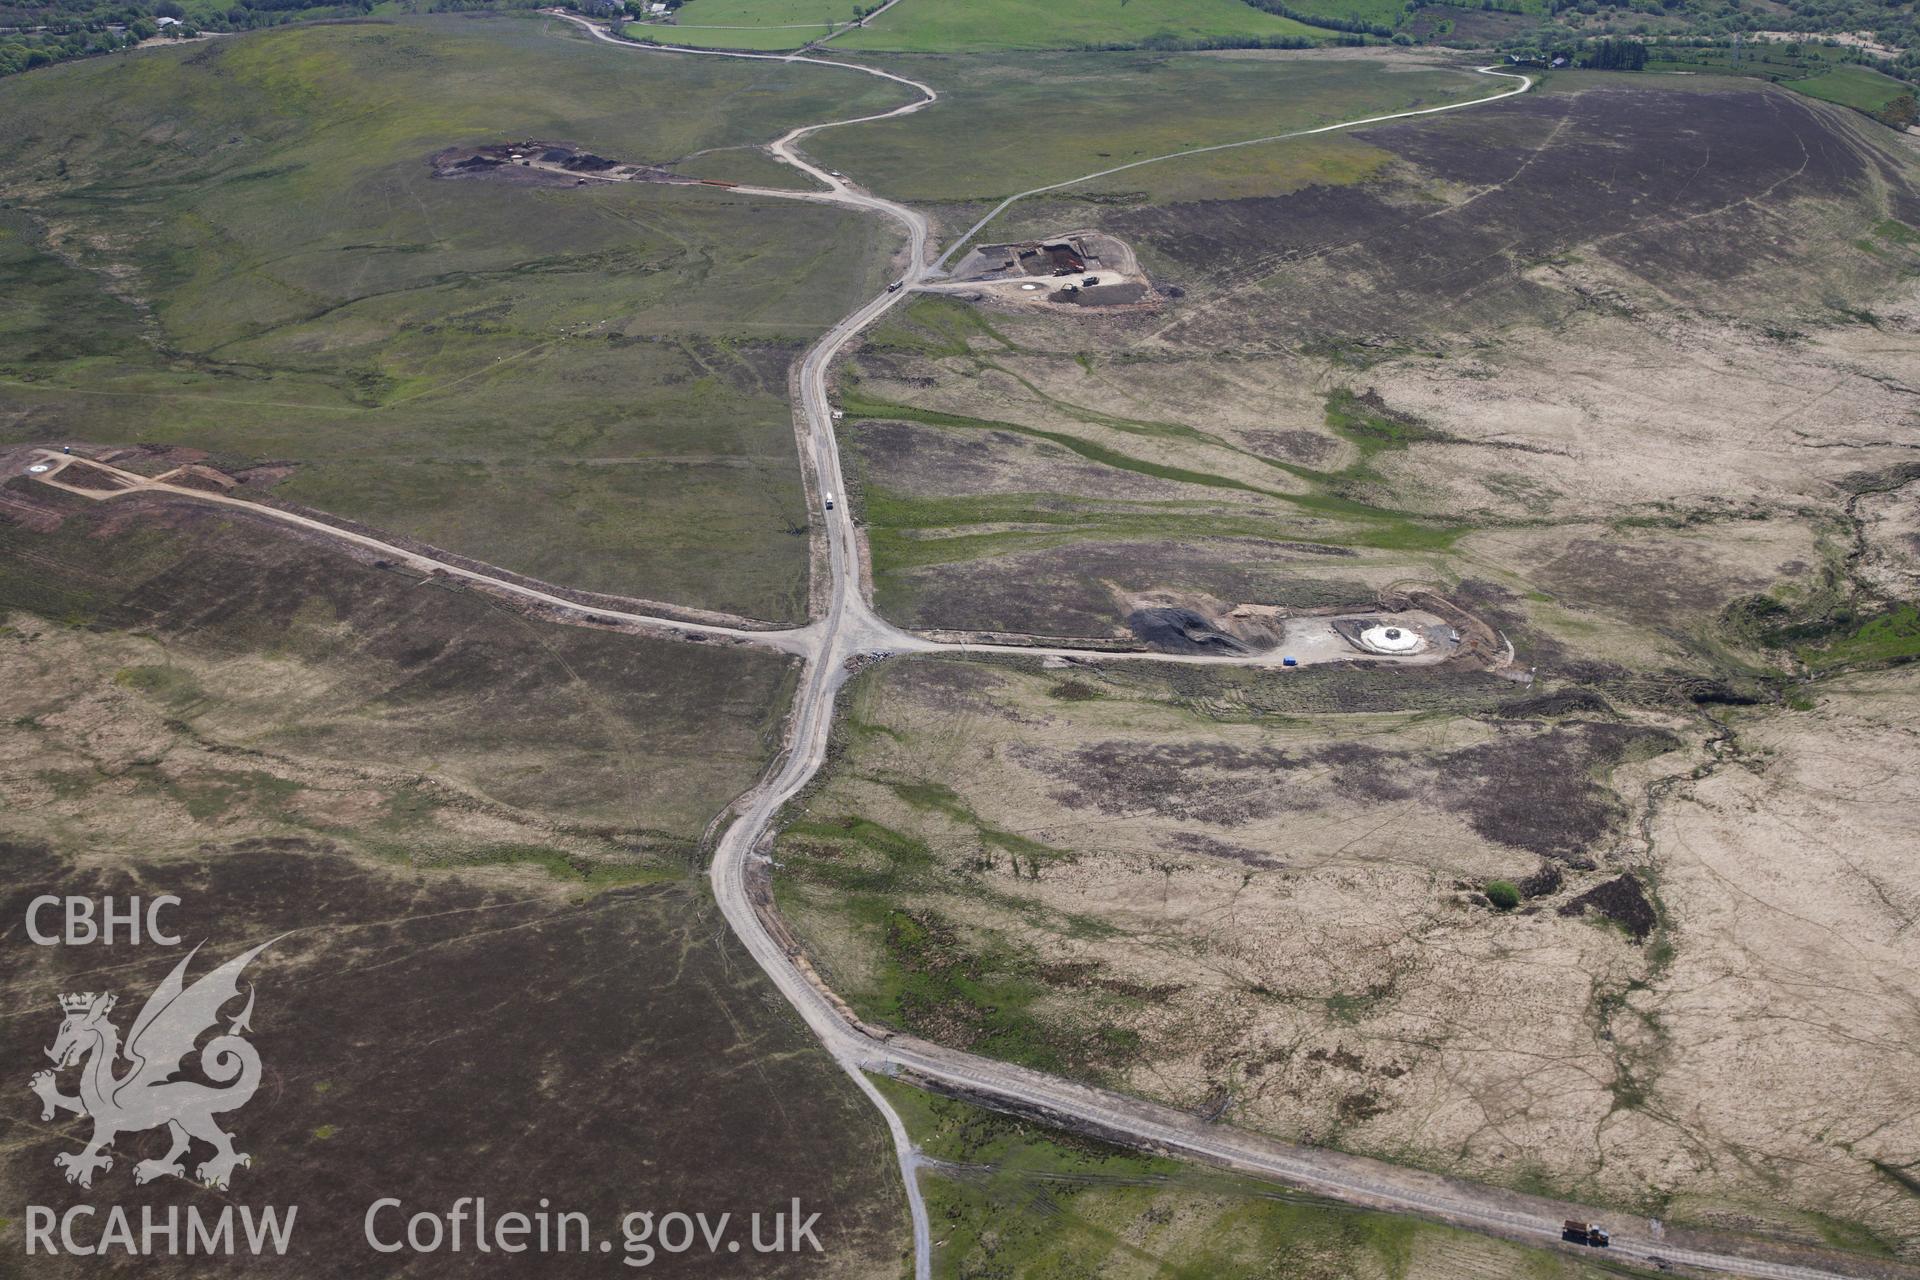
x=1591, y=1234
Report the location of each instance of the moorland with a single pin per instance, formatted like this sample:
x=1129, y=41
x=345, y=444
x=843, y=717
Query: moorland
x=1618, y=370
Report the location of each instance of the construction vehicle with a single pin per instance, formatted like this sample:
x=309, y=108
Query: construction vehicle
x=1591, y=1234
x=896, y=286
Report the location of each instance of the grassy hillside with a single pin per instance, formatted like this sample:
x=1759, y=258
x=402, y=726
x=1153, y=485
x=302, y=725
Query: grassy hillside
x=1014, y=1199
x=1007, y=123
x=601, y=751
x=766, y=13
x=471, y=835
x=1856, y=87
x=747, y=24
x=985, y=25
x=1605, y=361
x=1030, y=468
x=774, y=39
x=238, y=247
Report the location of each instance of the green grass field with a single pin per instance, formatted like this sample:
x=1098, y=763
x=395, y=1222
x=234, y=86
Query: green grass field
x=1813, y=69
x=1439, y=7
x=750, y=166
x=1760, y=59
x=1861, y=88
x=585, y=385
x=747, y=24
x=1889, y=637
x=982, y=26
x=1010, y=1198
x=1007, y=123
x=1385, y=13
x=753, y=39
x=765, y=13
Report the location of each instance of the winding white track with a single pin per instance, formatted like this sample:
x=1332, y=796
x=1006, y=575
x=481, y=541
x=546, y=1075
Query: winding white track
x=850, y=628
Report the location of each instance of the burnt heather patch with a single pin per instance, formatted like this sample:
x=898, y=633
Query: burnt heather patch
x=1527, y=788
x=436, y=1036
x=1621, y=900
x=1714, y=198
x=1212, y=782
x=1075, y=590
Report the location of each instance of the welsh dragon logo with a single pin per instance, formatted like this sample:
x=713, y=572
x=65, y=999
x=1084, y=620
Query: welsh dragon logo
x=144, y=1095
